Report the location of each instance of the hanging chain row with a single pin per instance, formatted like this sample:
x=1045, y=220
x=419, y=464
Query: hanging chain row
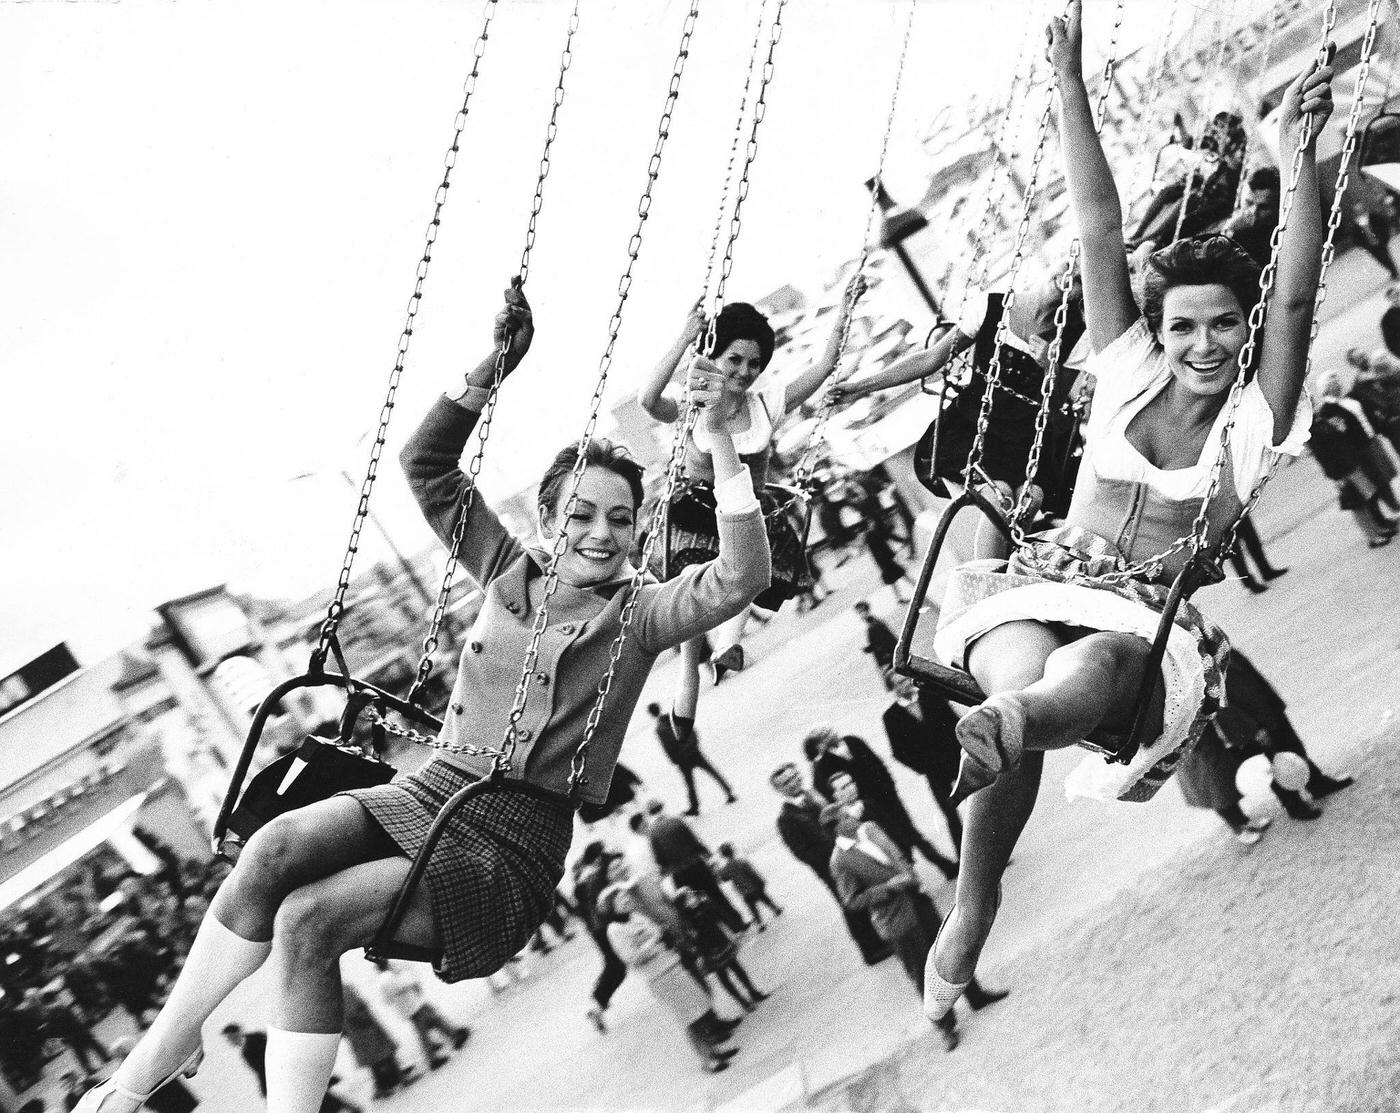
x=1272, y=16
x=1149, y=102
x=337, y=606
x=733, y=153
x=802, y=474
x=676, y=463
x=467, y=494
x=1066, y=285
x=504, y=753
x=1207, y=103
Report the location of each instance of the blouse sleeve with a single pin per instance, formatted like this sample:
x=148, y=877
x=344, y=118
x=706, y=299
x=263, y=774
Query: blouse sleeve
x=1251, y=439
x=1133, y=354
x=974, y=312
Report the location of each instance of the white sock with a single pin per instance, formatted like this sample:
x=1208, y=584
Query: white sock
x=218, y=961
x=299, y=1066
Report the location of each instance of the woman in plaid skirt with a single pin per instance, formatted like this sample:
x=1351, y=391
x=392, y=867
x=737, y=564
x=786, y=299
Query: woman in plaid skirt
x=1059, y=651
x=317, y=882
x=743, y=346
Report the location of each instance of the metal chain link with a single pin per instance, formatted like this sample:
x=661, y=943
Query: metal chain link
x=734, y=151
x=806, y=465
x=1149, y=111
x=467, y=494
x=505, y=752
x=337, y=606
x=675, y=465
x=1273, y=15
x=1061, y=320
x=1215, y=83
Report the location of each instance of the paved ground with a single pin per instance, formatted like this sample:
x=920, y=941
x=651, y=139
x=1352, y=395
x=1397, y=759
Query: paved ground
x=1072, y=1036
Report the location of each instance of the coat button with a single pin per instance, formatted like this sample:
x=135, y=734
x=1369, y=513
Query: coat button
x=514, y=608
x=542, y=680
x=522, y=734
x=457, y=709
x=476, y=647
x=567, y=629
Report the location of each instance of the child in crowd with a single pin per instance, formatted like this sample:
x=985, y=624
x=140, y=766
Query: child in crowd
x=747, y=882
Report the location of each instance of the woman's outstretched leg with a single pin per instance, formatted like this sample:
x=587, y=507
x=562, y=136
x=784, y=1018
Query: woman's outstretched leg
x=236, y=935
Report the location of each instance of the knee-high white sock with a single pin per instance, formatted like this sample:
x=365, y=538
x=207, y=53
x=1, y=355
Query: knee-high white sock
x=299, y=1066
x=218, y=961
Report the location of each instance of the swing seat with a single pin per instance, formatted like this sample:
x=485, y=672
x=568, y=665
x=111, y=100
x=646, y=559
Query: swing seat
x=958, y=686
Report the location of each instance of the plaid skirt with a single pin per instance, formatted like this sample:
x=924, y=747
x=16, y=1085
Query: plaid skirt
x=1046, y=582
x=692, y=537
x=491, y=876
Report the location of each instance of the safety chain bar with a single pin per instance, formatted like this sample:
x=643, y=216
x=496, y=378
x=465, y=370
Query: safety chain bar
x=337, y=605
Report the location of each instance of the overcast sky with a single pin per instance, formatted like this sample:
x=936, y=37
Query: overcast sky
x=211, y=218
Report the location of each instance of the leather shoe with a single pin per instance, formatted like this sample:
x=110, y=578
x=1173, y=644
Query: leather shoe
x=1322, y=785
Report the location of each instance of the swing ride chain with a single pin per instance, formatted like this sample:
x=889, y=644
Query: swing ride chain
x=468, y=492
x=1272, y=14
x=733, y=152
x=1217, y=72
x=974, y=456
x=503, y=754
x=1334, y=220
x=1154, y=83
x=675, y=465
x=337, y=605
x=1066, y=285
x=802, y=474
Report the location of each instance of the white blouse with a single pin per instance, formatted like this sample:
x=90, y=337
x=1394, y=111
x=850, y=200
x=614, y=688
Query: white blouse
x=1133, y=370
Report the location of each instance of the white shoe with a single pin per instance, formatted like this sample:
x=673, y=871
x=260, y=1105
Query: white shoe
x=91, y=1102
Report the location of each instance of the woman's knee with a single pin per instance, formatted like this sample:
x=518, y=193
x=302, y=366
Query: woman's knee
x=1012, y=656
x=276, y=859
x=308, y=932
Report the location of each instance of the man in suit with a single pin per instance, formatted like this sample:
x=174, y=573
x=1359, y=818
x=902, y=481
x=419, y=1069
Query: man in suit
x=681, y=744
x=873, y=875
x=831, y=753
x=880, y=641
x=921, y=728
x=800, y=828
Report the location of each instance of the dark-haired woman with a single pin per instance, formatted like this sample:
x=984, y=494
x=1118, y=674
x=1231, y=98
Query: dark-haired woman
x=317, y=882
x=1059, y=652
x=751, y=411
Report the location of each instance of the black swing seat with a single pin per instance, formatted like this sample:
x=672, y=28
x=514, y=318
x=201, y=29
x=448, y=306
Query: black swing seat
x=958, y=686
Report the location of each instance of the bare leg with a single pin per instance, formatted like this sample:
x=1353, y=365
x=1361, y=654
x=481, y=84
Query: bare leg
x=318, y=923
x=687, y=697
x=731, y=633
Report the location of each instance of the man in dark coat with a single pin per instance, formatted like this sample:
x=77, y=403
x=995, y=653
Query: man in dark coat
x=683, y=858
x=880, y=641
x=832, y=753
x=1256, y=703
x=800, y=828
x=682, y=746
x=590, y=879
x=921, y=728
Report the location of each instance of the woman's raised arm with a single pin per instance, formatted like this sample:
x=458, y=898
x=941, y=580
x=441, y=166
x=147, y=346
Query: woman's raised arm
x=1283, y=355
x=915, y=365
x=806, y=384
x=1109, y=308
x=652, y=393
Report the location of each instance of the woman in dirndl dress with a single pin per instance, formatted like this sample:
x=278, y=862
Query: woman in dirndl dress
x=743, y=346
x=317, y=882
x=1061, y=655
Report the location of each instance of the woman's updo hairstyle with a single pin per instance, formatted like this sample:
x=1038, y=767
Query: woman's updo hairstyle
x=741, y=321
x=601, y=453
x=1207, y=260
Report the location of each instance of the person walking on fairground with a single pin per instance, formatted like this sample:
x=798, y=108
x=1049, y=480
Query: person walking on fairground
x=319, y=881
x=880, y=641
x=1349, y=453
x=683, y=858
x=402, y=989
x=800, y=827
x=831, y=753
x=715, y=946
x=872, y=874
x=681, y=746
x=921, y=728
x=590, y=881
x=747, y=882
x=1247, y=540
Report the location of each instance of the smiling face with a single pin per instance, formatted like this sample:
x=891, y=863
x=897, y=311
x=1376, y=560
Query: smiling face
x=1203, y=330
x=600, y=530
x=741, y=363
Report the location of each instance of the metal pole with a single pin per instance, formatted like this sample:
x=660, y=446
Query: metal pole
x=918, y=279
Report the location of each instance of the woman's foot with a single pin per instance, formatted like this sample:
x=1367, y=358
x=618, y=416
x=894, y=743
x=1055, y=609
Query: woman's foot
x=991, y=736
x=112, y=1097
x=952, y=961
x=1273, y=573
x=730, y=660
